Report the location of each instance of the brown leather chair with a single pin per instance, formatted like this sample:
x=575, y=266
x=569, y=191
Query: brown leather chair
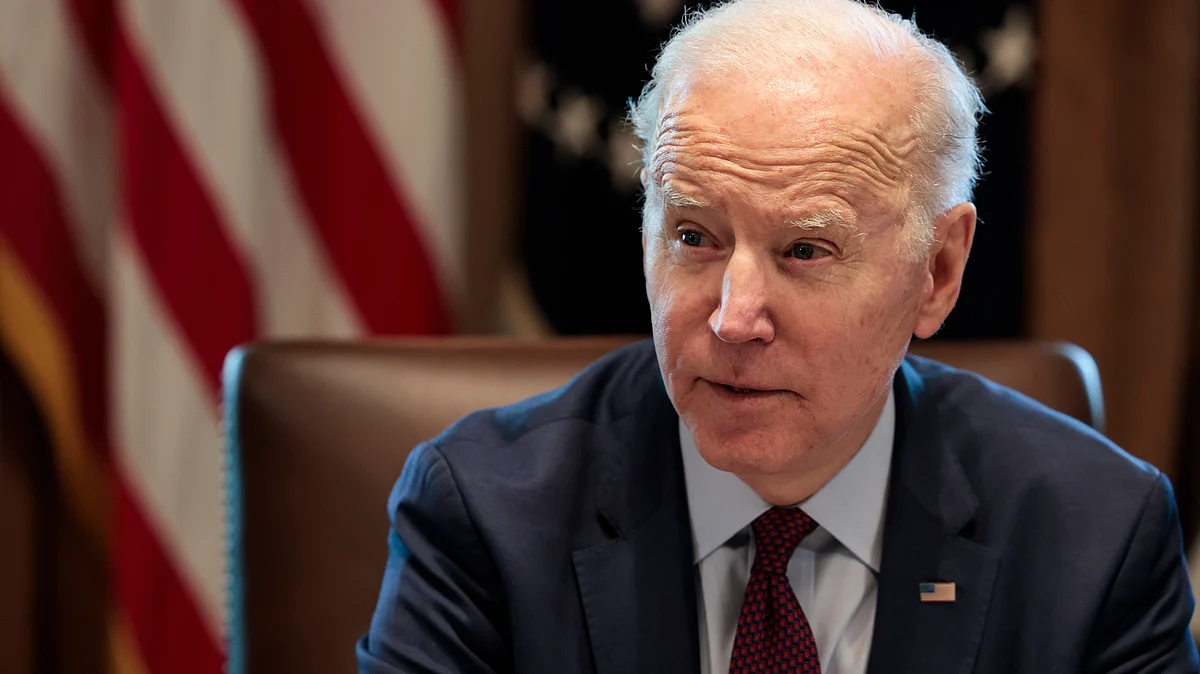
x=317, y=435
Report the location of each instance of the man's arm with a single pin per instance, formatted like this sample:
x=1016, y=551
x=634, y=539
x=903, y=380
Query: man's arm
x=1143, y=624
x=440, y=608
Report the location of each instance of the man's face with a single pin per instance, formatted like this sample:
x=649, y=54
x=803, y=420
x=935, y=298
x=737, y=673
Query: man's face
x=781, y=301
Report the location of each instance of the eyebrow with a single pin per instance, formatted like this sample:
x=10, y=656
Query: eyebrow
x=675, y=198
x=823, y=220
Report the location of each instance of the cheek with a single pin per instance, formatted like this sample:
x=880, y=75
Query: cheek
x=680, y=306
x=885, y=310
x=678, y=309
x=853, y=337
x=679, y=294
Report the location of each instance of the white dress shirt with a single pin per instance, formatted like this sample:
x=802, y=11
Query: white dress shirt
x=833, y=572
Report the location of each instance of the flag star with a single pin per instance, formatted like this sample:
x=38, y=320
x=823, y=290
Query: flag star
x=1010, y=50
x=966, y=57
x=574, y=128
x=533, y=92
x=658, y=12
x=624, y=159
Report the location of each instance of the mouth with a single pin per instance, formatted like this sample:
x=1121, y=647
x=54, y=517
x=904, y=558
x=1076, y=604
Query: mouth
x=738, y=389
x=744, y=391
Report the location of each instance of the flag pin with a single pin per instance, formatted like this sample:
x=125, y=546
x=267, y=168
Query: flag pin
x=937, y=592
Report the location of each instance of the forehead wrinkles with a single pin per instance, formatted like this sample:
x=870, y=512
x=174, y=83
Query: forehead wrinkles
x=843, y=154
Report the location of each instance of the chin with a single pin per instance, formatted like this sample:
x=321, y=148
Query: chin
x=748, y=452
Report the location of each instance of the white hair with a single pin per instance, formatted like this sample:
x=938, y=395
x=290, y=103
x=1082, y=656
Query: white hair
x=745, y=35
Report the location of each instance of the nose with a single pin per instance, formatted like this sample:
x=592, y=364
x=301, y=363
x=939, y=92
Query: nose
x=742, y=315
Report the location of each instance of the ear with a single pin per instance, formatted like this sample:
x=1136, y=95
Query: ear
x=953, y=233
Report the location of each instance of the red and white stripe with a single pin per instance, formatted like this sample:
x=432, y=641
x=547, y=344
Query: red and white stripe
x=180, y=178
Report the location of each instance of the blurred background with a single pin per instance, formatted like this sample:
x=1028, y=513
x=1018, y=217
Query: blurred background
x=178, y=177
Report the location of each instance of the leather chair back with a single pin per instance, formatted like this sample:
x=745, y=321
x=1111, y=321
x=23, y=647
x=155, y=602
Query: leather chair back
x=317, y=434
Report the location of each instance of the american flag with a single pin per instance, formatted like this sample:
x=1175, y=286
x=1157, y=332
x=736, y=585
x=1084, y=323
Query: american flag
x=181, y=176
x=937, y=592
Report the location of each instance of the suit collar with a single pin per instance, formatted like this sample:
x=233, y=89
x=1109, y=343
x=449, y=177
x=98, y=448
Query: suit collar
x=637, y=587
x=928, y=466
x=931, y=506
x=638, y=452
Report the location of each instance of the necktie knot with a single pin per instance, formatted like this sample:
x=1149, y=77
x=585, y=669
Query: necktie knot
x=777, y=533
x=773, y=634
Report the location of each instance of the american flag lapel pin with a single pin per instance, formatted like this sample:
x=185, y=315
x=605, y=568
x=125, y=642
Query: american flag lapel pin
x=937, y=592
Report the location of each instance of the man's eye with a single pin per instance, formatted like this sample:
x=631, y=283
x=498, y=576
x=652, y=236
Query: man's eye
x=692, y=238
x=808, y=251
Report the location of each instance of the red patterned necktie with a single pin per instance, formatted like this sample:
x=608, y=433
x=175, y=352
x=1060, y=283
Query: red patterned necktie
x=773, y=634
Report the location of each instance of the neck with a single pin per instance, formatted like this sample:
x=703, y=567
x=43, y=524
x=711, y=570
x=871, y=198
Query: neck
x=820, y=464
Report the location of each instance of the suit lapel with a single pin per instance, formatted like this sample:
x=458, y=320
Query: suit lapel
x=639, y=600
x=638, y=589
x=932, y=638
x=930, y=506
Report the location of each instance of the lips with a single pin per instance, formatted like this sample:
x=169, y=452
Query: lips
x=745, y=388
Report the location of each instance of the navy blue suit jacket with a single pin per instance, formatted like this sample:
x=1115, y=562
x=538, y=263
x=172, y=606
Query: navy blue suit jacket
x=553, y=536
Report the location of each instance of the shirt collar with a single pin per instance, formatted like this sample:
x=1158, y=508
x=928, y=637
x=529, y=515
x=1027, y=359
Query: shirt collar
x=850, y=506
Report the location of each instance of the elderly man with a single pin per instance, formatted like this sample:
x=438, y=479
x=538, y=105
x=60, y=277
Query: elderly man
x=771, y=484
